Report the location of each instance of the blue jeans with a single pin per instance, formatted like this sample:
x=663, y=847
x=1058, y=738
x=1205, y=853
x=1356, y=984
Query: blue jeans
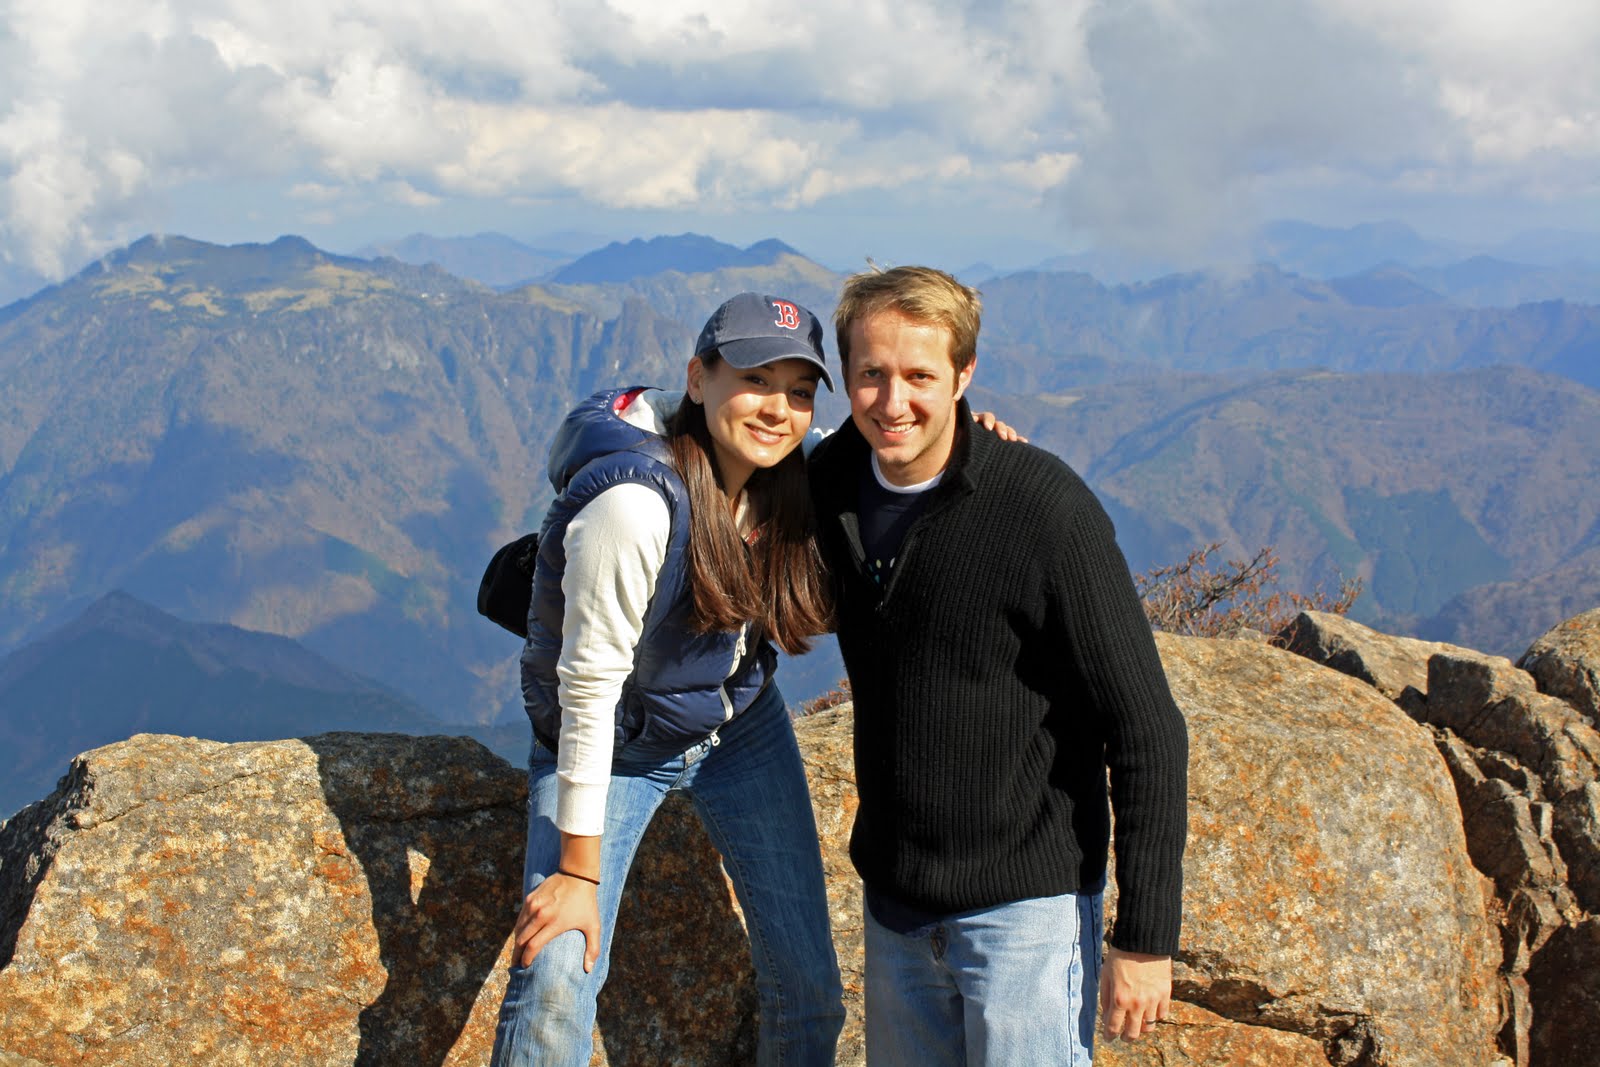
x=1013, y=984
x=750, y=792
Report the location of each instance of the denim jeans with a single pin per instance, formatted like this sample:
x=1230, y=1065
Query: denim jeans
x=750, y=792
x=1013, y=984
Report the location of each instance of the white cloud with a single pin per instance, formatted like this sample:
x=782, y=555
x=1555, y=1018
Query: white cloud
x=1161, y=121
x=316, y=192
x=410, y=195
x=1207, y=106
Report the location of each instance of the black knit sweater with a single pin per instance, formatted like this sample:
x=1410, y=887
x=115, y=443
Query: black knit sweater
x=1004, y=668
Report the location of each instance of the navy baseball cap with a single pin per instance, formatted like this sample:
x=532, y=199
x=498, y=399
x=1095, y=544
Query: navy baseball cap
x=752, y=329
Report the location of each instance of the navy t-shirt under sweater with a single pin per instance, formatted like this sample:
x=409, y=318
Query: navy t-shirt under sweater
x=887, y=512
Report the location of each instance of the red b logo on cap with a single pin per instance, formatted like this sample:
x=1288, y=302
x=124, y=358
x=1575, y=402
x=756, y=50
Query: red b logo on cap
x=788, y=315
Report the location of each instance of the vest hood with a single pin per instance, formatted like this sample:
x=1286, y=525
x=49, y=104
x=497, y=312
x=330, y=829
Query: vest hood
x=597, y=428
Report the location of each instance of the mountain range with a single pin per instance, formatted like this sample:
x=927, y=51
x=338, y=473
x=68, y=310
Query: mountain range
x=328, y=448
x=1436, y=490
x=491, y=258
x=1047, y=331
x=293, y=442
x=125, y=667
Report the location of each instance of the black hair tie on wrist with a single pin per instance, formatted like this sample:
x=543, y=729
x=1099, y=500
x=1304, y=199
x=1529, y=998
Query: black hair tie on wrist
x=580, y=877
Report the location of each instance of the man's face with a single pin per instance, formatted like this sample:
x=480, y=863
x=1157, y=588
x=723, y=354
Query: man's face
x=903, y=392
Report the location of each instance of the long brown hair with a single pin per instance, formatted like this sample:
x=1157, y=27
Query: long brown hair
x=778, y=582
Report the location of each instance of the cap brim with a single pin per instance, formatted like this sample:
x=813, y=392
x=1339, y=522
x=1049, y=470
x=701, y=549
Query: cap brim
x=755, y=351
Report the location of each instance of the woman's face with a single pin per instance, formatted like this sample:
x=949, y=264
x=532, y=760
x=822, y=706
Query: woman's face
x=757, y=416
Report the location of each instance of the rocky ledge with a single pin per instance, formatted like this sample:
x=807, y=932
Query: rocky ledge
x=1391, y=861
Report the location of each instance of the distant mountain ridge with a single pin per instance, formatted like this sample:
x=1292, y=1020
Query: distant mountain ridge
x=1053, y=331
x=687, y=253
x=1487, y=282
x=491, y=258
x=1333, y=251
x=315, y=445
x=124, y=667
x=214, y=647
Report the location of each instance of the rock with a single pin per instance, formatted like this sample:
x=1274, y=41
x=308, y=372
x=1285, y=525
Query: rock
x=1577, y=832
x=1194, y=1037
x=1566, y=663
x=1493, y=705
x=1524, y=765
x=1566, y=998
x=1531, y=916
x=335, y=900
x=1519, y=1019
x=1328, y=890
x=9, y=1059
x=1388, y=664
x=1508, y=835
x=1496, y=707
x=827, y=743
x=681, y=987
x=347, y=898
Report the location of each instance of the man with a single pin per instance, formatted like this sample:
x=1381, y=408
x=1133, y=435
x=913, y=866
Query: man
x=1000, y=664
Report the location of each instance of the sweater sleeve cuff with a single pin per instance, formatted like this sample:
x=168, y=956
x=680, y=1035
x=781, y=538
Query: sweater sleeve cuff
x=581, y=807
x=1147, y=928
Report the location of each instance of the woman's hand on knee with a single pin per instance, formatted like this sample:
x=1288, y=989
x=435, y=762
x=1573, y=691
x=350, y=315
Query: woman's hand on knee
x=559, y=903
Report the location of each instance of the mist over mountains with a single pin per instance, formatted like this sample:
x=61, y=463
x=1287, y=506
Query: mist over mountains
x=327, y=447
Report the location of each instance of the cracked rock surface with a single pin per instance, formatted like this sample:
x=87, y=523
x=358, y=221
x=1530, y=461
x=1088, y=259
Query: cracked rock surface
x=290, y=902
x=1524, y=756
x=1327, y=888
x=346, y=898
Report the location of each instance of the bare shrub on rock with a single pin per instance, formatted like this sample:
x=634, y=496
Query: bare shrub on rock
x=1197, y=598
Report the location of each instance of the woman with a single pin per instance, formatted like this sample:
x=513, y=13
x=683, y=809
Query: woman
x=678, y=551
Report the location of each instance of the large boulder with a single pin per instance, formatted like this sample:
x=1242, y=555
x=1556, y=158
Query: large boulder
x=1327, y=887
x=1387, y=663
x=1331, y=912
x=336, y=900
x=347, y=898
x=342, y=899
x=1566, y=663
x=1523, y=752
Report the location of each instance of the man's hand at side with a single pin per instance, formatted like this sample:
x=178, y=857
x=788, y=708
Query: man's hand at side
x=1135, y=992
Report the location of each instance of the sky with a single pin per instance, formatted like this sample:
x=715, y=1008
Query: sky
x=944, y=131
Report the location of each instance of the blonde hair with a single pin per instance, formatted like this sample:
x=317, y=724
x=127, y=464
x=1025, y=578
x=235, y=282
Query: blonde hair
x=921, y=294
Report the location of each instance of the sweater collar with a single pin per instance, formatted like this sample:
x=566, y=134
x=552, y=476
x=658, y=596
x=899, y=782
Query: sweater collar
x=968, y=456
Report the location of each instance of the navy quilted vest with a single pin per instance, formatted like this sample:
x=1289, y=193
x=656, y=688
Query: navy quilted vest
x=680, y=690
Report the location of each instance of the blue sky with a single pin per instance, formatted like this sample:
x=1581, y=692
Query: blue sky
x=948, y=131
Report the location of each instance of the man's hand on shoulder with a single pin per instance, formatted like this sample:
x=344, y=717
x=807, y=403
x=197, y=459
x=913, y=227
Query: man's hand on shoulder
x=1135, y=992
